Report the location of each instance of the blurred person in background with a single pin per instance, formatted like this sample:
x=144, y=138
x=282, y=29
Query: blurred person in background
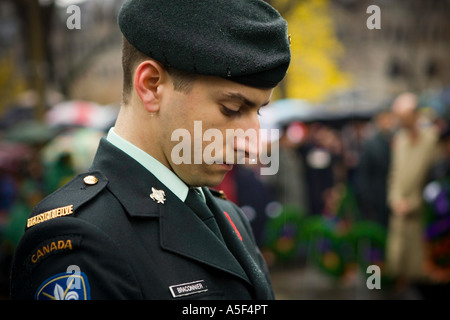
x=322, y=156
x=413, y=153
x=27, y=188
x=353, y=135
x=288, y=184
x=437, y=233
x=373, y=169
x=441, y=168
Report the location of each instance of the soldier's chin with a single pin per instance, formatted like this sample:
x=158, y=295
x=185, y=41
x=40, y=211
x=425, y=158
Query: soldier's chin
x=209, y=176
x=214, y=176
x=224, y=166
x=214, y=182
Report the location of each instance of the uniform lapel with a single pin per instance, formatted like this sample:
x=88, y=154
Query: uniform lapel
x=182, y=232
x=237, y=247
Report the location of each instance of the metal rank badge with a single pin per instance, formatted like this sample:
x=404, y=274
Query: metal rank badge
x=158, y=195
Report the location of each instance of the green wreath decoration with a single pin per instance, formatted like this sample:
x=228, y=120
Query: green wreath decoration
x=283, y=233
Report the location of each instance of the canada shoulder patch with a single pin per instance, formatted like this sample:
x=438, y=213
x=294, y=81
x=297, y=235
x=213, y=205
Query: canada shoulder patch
x=65, y=286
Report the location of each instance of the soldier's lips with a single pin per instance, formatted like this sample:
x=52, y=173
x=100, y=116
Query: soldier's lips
x=225, y=166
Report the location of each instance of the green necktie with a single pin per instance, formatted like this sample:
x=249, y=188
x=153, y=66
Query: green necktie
x=196, y=202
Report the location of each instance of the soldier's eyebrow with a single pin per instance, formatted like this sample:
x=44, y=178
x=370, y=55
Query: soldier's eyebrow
x=241, y=99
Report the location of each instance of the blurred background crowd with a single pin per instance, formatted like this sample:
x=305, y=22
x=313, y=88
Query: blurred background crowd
x=364, y=144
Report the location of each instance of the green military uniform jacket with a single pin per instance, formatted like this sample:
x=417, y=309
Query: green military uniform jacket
x=106, y=238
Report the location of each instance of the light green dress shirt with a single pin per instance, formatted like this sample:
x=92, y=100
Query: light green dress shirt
x=160, y=171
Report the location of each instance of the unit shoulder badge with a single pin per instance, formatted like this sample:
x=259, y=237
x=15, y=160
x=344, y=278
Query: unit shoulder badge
x=65, y=286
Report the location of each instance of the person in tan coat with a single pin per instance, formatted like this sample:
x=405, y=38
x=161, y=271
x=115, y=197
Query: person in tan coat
x=414, y=149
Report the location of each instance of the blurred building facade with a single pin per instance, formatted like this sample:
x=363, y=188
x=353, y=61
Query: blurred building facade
x=409, y=53
x=88, y=60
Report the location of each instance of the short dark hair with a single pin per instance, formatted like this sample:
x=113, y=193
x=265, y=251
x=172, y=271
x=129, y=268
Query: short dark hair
x=131, y=57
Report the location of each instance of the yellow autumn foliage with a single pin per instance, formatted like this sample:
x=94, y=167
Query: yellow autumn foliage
x=314, y=72
x=11, y=84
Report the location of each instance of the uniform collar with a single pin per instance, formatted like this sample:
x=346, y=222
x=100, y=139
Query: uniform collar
x=181, y=230
x=160, y=171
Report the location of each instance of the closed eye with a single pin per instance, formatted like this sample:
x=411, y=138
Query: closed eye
x=229, y=112
x=232, y=113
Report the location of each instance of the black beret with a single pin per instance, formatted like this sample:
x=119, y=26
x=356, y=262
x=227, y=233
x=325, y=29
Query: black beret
x=242, y=40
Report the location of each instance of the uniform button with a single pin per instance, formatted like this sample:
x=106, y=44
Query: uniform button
x=90, y=180
x=222, y=194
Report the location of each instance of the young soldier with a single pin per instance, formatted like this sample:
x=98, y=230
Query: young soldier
x=140, y=224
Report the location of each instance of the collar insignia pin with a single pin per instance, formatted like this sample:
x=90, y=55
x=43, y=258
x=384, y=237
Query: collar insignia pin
x=158, y=195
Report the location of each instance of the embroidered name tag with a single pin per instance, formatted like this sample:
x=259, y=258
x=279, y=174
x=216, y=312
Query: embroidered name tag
x=186, y=289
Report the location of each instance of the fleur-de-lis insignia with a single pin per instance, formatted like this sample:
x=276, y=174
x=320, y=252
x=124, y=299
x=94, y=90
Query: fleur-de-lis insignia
x=59, y=294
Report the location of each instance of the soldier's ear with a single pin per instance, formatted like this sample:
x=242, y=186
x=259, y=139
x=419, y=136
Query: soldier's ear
x=148, y=78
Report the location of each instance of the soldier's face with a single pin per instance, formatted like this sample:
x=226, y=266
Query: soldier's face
x=202, y=129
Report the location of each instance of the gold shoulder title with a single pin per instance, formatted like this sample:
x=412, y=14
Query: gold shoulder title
x=48, y=215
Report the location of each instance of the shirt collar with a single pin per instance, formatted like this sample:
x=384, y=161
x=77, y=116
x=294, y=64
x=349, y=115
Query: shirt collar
x=160, y=171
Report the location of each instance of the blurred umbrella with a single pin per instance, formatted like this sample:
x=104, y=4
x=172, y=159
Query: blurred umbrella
x=81, y=113
x=30, y=132
x=15, y=115
x=12, y=153
x=80, y=143
x=284, y=111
